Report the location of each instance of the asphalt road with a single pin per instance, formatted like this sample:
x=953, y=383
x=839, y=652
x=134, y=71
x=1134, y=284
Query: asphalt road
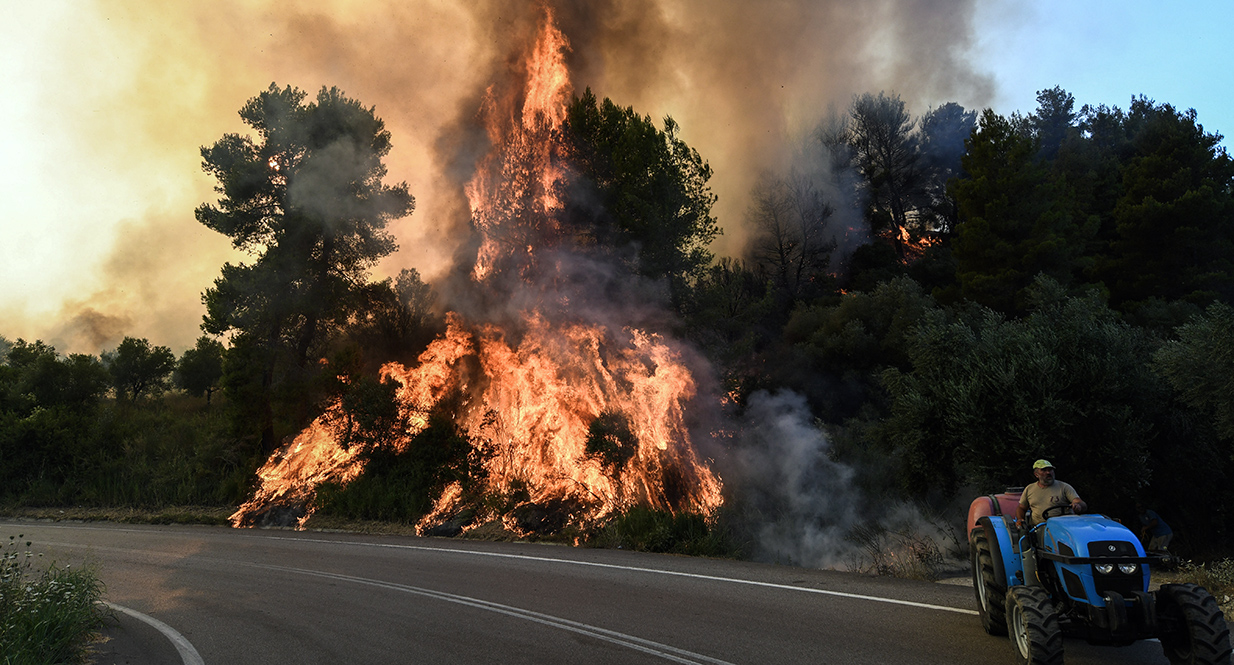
x=253, y=596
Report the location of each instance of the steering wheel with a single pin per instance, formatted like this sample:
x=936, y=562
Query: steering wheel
x=1061, y=510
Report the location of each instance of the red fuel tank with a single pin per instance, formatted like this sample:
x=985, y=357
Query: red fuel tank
x=994, y=504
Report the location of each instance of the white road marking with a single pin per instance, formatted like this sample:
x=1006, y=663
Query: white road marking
x=664, y=651
x=637, y=569
x=185, y=648
x=654, y=571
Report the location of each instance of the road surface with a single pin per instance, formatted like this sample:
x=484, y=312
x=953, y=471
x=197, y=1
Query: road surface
x=261, y=596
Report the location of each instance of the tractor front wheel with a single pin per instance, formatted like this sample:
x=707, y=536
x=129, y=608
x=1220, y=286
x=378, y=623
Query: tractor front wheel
x=1194, y=632
x=1032, y=624
x=989, y=591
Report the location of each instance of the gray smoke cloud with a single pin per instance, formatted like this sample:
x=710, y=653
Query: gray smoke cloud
x=800, y=506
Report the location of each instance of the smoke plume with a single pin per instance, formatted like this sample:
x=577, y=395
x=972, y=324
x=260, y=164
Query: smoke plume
x=799, y=506
x=127, y=91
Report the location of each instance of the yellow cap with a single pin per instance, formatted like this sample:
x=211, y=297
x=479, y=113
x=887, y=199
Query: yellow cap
x=1042, y=464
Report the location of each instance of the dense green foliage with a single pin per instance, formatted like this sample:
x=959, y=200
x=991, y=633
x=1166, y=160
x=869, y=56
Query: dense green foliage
x=47, y=615
x=200, y=368
x=987, y=395
x=64, y=442
x=1199, y=364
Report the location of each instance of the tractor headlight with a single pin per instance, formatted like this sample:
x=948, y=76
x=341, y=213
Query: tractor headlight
x=1128, y=568
x=1104, y=568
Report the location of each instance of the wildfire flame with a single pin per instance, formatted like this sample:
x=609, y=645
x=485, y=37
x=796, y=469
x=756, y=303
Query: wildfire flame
x=534, y=392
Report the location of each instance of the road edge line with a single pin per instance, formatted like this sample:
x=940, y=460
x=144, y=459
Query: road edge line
x=185, y=648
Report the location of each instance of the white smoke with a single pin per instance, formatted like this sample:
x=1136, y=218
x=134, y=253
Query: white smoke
x=802, y=507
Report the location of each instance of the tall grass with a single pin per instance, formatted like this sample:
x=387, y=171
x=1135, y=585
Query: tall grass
x=47, y=615
x=1216, y=576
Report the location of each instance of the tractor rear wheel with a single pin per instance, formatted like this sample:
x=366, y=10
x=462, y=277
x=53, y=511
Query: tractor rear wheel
x=1194, y=632
x=988, y=590
x=1032, y=623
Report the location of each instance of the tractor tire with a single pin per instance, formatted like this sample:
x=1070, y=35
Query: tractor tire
x=1194, y=631
x=989, y=591
x=1032, y=624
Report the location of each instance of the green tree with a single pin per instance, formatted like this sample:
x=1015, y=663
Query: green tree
x=33, y=375
x=1173, y=225
x=1053, y=121
x=1200, y=366
x=201, y=367
x=640, y=189
x=732, y=314
x=306, y=198
x=1017, y=219
x=850, y=343
x=139, y=369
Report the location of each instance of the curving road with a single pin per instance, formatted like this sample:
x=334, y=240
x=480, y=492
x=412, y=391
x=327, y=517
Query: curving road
x=247, y=596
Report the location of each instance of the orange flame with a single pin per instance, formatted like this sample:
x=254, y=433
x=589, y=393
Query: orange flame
x=531, y=404
x=513, y=195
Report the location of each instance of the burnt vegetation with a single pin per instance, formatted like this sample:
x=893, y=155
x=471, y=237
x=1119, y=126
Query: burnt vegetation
x=954, y=295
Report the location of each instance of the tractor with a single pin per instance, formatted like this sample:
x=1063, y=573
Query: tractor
x=1084, y=576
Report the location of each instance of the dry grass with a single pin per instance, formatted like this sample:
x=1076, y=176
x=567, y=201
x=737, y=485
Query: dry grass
x=1216, y=576
x=213, y=515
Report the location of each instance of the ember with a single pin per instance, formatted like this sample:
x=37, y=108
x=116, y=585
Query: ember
x=536, y=390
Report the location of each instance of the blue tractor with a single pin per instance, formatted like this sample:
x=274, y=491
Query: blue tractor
x=1082, y=576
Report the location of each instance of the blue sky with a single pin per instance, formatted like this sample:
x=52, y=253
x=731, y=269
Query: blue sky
x=1106, y=51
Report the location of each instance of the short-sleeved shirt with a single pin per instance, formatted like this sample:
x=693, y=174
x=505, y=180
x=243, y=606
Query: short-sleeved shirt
x=1161, y=529
x=1039, y=499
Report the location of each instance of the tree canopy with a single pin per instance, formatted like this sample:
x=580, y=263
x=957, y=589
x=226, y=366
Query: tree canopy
x=305, y=197
x=139, y=369
x=201, y=367
x=638, y=188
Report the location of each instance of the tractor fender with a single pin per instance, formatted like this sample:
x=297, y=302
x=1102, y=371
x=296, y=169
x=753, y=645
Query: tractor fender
x=1008, y=568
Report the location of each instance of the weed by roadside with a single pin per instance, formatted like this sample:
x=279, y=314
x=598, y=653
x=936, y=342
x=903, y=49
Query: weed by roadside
x=47, y=615
x=1216, y=576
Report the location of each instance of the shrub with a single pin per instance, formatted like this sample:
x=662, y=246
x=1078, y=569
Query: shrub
x=648, y=530
x=46, y=616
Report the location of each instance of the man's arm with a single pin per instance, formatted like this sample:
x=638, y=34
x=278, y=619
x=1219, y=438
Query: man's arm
x=1077, y=504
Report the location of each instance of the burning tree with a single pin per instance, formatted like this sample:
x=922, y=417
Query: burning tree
x=572, y=414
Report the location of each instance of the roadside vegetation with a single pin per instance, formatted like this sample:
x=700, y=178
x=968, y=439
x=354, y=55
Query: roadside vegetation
x=47, y=614
x=952, y=295
x=1216, y=576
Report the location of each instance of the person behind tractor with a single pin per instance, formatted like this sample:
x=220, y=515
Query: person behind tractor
x=1045, y=494
x=1153, y=529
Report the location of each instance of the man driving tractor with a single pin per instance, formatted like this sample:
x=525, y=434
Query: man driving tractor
x=1045, y=494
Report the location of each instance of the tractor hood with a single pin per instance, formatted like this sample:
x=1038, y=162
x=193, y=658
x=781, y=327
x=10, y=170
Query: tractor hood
x=1090, y=536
